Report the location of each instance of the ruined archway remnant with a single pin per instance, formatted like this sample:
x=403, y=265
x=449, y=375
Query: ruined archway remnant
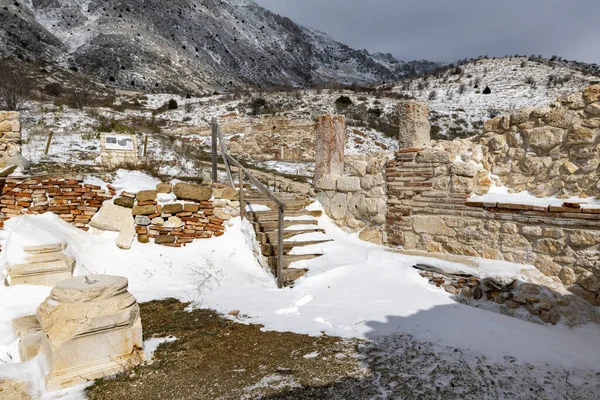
x=330, y=145
x=90, y=328
x=415, y=130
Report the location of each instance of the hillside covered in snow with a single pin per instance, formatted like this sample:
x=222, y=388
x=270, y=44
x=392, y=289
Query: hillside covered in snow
x=185, y=45
x=459, y=102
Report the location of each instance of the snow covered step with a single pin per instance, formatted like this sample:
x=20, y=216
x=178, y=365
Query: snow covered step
x=272, y=236
x=290, y=275
x=274, y=215
x=289, y=259
x=267, y=226
x=270, y=249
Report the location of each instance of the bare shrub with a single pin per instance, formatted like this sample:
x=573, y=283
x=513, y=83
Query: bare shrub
x=15, y=89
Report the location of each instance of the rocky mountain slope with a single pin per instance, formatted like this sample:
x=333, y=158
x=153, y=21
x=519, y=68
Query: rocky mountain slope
x=459, y=102
x=192, y=45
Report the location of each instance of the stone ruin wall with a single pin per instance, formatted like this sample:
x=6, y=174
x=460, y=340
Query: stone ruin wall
x=351, y=189
x=10, y=136
x=198, y=213
x=549, y=151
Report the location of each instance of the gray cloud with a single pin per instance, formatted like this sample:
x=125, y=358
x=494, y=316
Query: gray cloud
x=448, y=30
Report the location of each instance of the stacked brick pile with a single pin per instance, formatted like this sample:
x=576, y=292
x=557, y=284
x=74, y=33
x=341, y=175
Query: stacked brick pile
x=175, y=223
x=71, y=199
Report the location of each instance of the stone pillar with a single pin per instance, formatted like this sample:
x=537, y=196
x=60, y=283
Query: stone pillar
x=42, y=265
x=415, y=130
x=10, y=136
x=330, y=145
x=91, y=328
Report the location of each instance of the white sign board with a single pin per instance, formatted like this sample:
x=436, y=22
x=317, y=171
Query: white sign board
x=119, y=142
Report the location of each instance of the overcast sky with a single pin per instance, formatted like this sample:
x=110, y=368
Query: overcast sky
x=448, y=30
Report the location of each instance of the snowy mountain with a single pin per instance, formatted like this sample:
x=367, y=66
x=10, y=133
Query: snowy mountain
x=457, y=96
x=185, y=45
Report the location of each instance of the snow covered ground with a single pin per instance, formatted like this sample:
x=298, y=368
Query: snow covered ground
x=356, y=290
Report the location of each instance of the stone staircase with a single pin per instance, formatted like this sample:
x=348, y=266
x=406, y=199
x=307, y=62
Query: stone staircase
x=300, y=230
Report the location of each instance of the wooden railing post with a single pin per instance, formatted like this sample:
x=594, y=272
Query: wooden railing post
x=242, y=202
x=214, y=149
x=280, y=250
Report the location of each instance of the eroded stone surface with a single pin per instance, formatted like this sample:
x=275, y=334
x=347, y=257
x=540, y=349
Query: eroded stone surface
x=330, y=144
x=92, y=329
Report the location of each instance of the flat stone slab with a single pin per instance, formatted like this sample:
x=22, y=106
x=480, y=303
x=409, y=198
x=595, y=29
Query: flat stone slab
x=88, y=288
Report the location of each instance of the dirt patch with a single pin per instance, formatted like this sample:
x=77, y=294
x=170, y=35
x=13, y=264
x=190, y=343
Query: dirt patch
x=215, y=358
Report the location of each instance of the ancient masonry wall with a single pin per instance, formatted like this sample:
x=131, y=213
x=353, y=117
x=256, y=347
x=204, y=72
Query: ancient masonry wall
x=429, y=210
x=10, y=136
x=171, y=216
x=71, y=199
x=358, y=197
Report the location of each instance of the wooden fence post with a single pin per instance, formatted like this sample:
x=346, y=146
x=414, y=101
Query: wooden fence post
x=242, y=202
x=214, y=150
x=280, y=249
x=145, y=145
x=48, y=143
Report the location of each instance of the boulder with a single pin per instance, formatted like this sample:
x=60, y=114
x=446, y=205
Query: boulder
x=158, y=221
x=327, y=182
x=589, y=281
x=593, y=109
x=189, y=191
x=581, y=135
x=146, y=195
x=521, y=115
x=338, y=206
x=567, y=276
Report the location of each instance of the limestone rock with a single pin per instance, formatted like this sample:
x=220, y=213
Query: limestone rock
x=146, y=195
x=371, y=235
x=521, y=115
x=158, y=221
x=166, y=239
x=589, y=281
x=172, y=208
x=581, y=135
x=348, y=184
x=432, y=225
x=546, y=137
x=124, y=201
x=575, y=101
x=173, y=222
x=117, y=219
x=188, y=191
x=143, y=239
x=547, y=266
x=593, y=109
x=567, y=276
x=12, y=389
x=355, y=167
x=465, y=169
x=327, y=182
x=144, y=210
x=497, y=124
x=338, y=206
x=192, y=207
x=591, y=93
x=142, y=220
x=19, y=161
x=164, y=188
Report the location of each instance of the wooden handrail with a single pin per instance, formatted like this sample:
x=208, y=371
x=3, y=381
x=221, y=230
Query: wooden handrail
x=243, y=171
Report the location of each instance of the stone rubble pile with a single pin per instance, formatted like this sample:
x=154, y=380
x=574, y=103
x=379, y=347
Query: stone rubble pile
x=174, y=215
x=511, y=293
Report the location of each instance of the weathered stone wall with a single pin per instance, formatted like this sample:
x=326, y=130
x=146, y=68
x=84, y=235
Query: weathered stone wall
x=550, y=150
x=10, y=136
x=429, y=210
x=71, y=199
x=357, y=198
